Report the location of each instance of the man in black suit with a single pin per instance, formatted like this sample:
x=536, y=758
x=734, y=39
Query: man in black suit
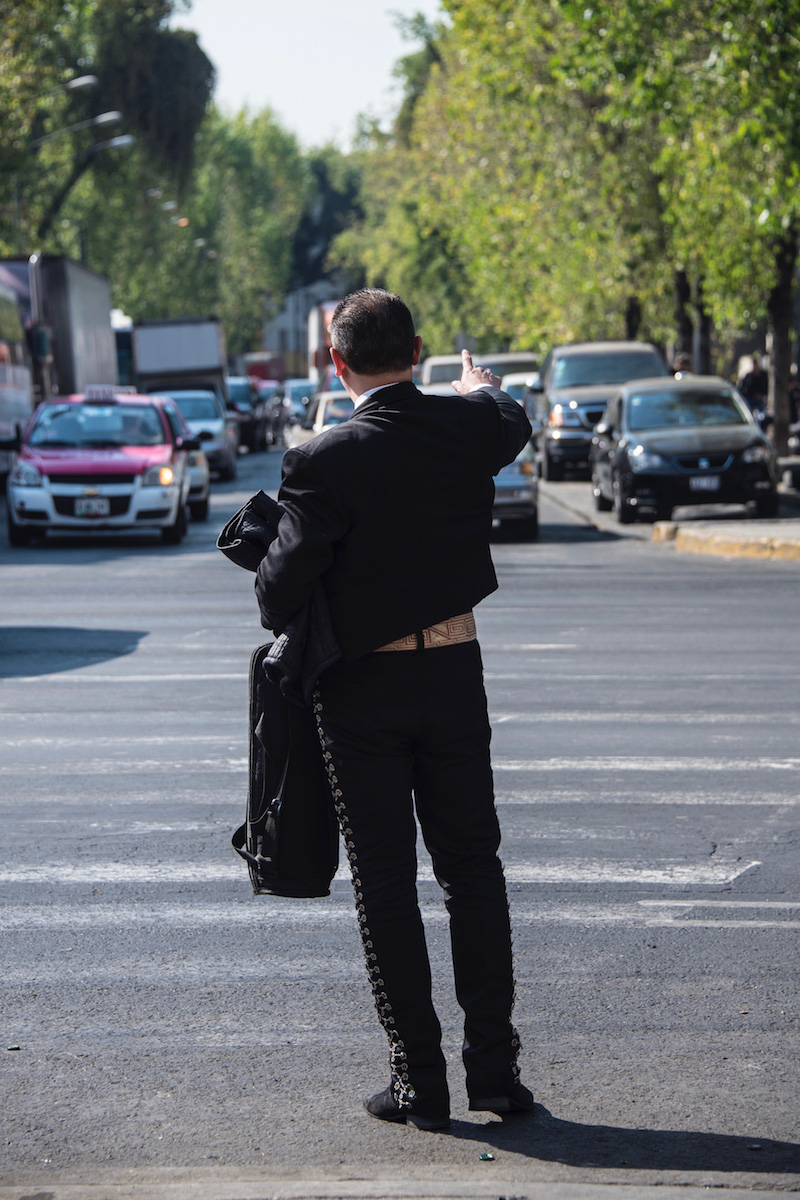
x=391, y=512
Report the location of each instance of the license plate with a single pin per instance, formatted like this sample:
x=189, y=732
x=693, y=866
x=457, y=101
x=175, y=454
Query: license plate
x=92, y=506
x=704, y=483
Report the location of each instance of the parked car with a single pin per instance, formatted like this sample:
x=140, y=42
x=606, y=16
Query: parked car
x=324, y=411
x=518, y=384
x=662, y=443
x=251, y=407
x=197, y=464
x=516, y=494
x=571, y=392
x=204, y=412
x=443, y=368
x=100, y=460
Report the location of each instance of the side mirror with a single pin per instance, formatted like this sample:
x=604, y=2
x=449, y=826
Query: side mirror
x=205, y=435
x=602, y=428
x=188, y=443
x=535, y=385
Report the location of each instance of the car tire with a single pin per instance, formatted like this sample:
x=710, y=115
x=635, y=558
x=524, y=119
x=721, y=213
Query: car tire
x=624, y=513
x=173, y=534
x=199, y=509
x=527, y=529
x=229, y=473
x=601, y=502
x=553, y=472
x=17, y=535
x=767, y=506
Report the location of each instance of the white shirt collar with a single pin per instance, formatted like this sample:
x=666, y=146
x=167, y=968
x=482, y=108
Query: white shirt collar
x=366, y=395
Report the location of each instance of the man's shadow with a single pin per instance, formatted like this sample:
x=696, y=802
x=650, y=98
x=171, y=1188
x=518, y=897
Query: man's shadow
x=541, y=1135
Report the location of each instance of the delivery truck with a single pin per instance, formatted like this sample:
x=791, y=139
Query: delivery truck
x=180, y=352
x=66, y=310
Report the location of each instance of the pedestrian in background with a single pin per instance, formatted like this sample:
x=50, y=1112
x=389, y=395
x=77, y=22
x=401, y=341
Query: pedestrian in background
x=391, y=512
x=755, y=388
x=682, y=365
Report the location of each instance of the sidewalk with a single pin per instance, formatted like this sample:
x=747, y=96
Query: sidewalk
x=742, y=538
x=697, y=531
x=196, y=1186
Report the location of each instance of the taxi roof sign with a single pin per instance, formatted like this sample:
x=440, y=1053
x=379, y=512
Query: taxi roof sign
x=107, y=391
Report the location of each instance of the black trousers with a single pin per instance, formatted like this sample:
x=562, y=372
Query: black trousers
x=405, y=727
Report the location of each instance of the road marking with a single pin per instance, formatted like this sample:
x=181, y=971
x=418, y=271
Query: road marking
x=599, y=717
x=68, y=677
x=679, y=873
x=719, y=903
x=632, y=762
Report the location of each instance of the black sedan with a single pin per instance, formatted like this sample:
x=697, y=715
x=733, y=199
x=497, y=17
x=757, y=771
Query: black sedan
x=663, y=443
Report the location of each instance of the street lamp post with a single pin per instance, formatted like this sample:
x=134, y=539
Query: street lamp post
x=81, y=164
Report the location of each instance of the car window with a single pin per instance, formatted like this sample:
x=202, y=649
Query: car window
x=196, y=406
x=240, y=393
x=444, y=372
x=176, y=424
x=337, y=411
x=585, y=370
x=668, y=409
x=98, y=426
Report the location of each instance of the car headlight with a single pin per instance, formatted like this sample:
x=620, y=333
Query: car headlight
x=25, y=474
x=756, y=454
x=642, y=459
x=561, y=415
x=196, y=458
x=158, y=477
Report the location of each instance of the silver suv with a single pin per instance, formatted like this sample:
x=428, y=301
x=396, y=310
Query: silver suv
x=568, y=397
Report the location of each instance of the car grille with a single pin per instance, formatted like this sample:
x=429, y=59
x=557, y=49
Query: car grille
x=702, y=462
x=65, y=506
x=91, y=480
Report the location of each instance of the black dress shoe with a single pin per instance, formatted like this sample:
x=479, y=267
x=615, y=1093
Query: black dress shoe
x=518, y=1100
x=384, y=1106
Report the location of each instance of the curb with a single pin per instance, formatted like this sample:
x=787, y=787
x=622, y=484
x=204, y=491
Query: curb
x=728, y=545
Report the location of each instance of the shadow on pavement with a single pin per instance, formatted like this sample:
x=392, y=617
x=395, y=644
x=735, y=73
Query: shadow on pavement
x=542, y=1136
x=46, y=649
x=551, y=532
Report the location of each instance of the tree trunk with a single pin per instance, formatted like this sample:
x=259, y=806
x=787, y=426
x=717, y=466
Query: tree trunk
x=702, y=356
x=684, y=326
x=633, y=318
x=780, y=312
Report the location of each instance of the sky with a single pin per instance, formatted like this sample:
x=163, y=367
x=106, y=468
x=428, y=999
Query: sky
x=316, y=63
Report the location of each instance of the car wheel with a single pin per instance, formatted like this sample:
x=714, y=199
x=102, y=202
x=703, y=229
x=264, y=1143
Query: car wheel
x=199, y=510
x=230, y=471
x=17, y=535
x=601, y=503
x=174, y=533
x=767, y=506
x=552, y=471
x=624, y=513
x=528, y=528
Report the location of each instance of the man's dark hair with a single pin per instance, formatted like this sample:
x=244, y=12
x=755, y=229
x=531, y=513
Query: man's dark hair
x=374, y=332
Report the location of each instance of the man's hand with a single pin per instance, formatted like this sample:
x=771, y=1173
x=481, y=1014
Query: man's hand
x=473, y=377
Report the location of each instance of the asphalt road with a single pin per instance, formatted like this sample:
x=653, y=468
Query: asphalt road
x=166, y=1030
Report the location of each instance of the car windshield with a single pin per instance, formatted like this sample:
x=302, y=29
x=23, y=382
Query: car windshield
x=337, y=411
x=516, y=390
x=585, y=370
x=240, y=391
x=196, y=406
x=444, y=372
x=97, y=426
x=672, y=408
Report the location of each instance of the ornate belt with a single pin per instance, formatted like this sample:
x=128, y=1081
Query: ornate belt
x=446, y=633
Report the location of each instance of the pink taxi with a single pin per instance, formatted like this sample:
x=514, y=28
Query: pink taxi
x=103, y=460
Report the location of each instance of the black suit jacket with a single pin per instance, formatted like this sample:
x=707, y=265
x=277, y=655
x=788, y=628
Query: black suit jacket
x=391, y=511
